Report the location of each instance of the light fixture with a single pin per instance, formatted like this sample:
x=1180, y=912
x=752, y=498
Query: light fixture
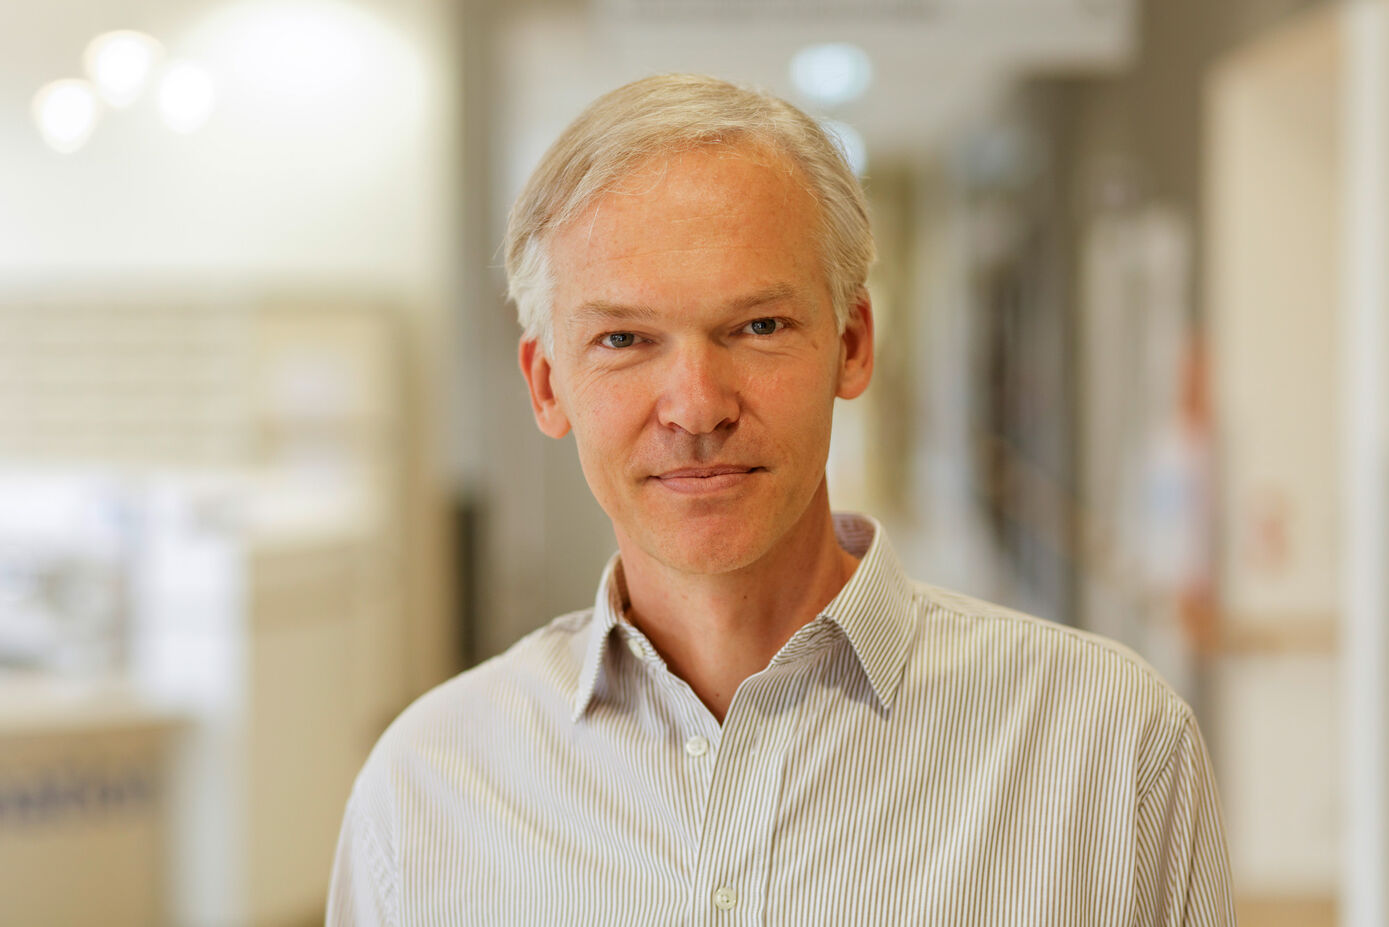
x=186, y=97
x=66, y=112
x=850, y=142
x=120, y=64
x=832, y=73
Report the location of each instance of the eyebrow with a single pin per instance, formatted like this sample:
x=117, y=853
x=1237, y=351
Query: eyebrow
x=610, y=311
x=596, y=309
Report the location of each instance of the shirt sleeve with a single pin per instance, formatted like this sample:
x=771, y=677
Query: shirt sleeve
x=363, y=888
x=1183, y=868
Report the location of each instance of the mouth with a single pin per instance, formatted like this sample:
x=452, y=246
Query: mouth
x=698, y=480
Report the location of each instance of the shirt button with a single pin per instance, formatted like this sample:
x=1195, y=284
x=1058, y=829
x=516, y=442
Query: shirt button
x=697, y=746
x=725, y=898
x=634, y=645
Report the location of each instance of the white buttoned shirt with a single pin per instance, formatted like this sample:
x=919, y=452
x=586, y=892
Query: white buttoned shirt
x=911, y=755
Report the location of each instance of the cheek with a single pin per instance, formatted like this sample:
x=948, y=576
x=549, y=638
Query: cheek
x=793, y=408
x=803, y=389
x=606, y=415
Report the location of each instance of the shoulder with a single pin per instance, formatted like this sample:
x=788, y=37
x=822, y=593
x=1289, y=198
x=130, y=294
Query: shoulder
x=1017, y=637
x=1079, y=678
x=463, y=741
x=1038, y=637
x=527, y=688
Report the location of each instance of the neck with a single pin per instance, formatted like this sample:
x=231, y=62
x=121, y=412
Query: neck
x=715, y=630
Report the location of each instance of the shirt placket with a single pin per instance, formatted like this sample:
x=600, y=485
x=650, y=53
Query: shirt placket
x=698, y=737
x=695, y=737
x=731, y=873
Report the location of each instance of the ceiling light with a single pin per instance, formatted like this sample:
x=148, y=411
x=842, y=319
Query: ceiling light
x=120, y=63
x=186, y=97
x=833, y=73
x=66, y=113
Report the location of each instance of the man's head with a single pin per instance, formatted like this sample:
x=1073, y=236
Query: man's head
x=664, y=115
x=694, y=334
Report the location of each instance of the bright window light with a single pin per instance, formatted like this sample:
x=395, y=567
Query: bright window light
x=850, y=142
x=66, y=112
x=833, y=73
x=186, y=97
x=120, y=64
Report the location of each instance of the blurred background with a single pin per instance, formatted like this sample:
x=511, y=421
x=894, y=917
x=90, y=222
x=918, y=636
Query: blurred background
x=268, y=472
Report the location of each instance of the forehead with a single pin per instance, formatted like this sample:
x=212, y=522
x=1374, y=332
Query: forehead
x=710, y=167
x=706, y=219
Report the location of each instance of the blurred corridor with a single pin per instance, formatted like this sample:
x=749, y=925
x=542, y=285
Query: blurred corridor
x=268, y=471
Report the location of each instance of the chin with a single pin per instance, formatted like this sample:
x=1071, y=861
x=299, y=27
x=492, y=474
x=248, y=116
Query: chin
x=712, y=546
x=709, y=562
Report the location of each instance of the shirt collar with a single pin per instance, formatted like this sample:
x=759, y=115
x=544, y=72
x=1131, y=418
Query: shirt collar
x=873, y=610
x=607, y=609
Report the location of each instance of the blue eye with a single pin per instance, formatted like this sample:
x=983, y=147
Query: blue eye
x=763, y=326
x=619, y=339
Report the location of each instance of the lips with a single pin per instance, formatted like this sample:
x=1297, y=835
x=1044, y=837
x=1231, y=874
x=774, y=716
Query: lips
x=702, y=472
x=701, y=480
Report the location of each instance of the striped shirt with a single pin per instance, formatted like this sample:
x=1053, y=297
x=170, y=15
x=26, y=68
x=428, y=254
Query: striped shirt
x=910, y=755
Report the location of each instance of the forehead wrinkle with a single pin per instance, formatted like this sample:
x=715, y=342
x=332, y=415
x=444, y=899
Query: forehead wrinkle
x=608, y=311
x=773, y=293
x=694, y=204
x=602, y=309
x=656, y=168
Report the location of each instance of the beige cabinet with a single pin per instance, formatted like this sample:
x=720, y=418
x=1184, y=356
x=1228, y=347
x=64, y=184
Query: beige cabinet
x=1297, y=136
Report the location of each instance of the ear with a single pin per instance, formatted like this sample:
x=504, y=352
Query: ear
x=539, y=374
x=856, y=349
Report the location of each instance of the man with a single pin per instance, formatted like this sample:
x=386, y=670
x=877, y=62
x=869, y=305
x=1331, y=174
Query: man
x=761, y=720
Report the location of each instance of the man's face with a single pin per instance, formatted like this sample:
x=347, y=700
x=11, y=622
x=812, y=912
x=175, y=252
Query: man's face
x=696, y=357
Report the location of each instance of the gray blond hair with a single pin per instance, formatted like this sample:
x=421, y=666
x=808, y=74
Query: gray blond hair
x=667, y=114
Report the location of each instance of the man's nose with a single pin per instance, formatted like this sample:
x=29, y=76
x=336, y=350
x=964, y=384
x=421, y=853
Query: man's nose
x=699, y=393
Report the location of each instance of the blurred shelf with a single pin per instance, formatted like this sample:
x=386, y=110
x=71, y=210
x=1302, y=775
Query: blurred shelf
x=1286, y=912
x=1309, y=633
x=38, y=703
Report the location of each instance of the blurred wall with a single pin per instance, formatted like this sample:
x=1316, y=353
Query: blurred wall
x=544, y=538
x=325, y=159
x=1150, y=116
x=327, y=166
